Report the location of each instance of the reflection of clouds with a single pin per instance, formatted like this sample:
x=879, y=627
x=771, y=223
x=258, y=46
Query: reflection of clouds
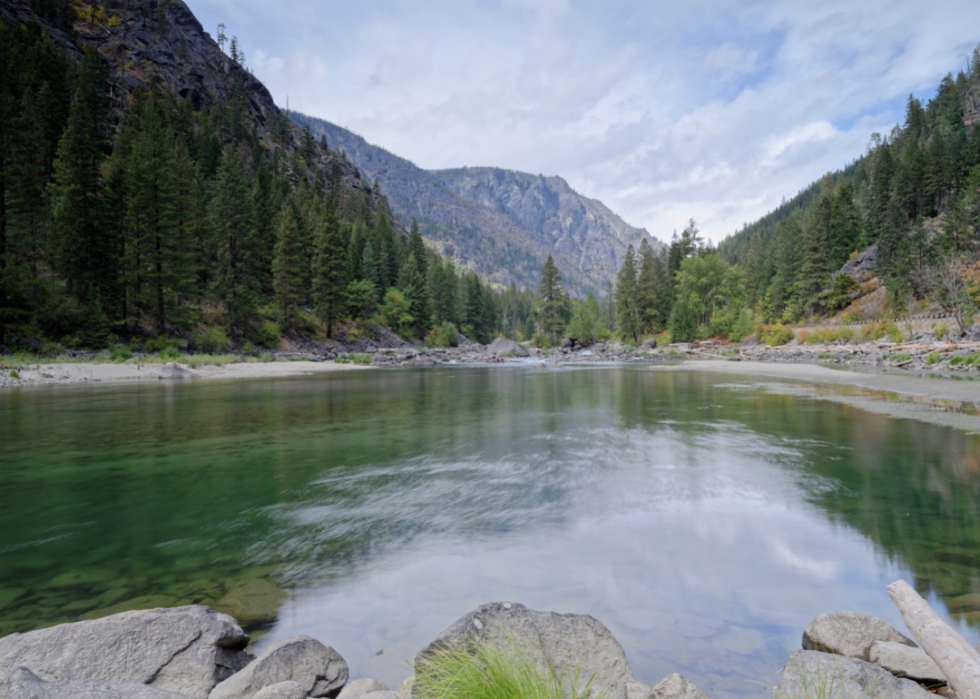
x=819, y=568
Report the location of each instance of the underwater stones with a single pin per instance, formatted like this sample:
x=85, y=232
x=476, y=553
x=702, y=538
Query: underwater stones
x=186, y=650
x=10, y=594
x=578, y=642
x=812, y=673
x=964, y=603
x=80, y=578
x=137, y=603
x=849, y=634
x=317, y=667
x=251, y=601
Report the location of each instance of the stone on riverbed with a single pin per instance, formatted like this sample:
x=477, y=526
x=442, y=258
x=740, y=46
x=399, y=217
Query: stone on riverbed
x=578, y=643
x=186, y=650
x=24, y=684
x=849, y=634
x=317, y=667
x=815, y=674
x=251, y=601
x=903, y=661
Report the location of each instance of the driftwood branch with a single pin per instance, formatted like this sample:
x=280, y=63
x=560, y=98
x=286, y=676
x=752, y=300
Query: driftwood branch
x=958, y=660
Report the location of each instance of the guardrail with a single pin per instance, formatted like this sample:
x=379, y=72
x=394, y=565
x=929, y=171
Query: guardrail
x=921, y=316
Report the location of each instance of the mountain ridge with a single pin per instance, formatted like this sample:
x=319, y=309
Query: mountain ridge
x=500, y=223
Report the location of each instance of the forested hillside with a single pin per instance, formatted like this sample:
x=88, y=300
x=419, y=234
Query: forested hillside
x=500, y=223
x=150, y=187
x=911, y=203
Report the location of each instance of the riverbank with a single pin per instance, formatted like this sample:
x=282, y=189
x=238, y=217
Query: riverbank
x=94, y=372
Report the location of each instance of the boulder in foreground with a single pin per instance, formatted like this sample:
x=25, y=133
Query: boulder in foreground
x=849, y=634
x=315, y=666
x=578, y=643
x=186, y=650
x=903, y=661
x=814, y=674
x=24, y=684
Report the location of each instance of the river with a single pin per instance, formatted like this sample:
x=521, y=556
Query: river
x=704, y=518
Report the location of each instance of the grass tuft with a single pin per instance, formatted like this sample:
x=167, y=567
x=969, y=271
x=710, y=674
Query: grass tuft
x=504, y=670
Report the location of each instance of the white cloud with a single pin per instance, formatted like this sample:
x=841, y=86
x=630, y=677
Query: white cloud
x=664, y=112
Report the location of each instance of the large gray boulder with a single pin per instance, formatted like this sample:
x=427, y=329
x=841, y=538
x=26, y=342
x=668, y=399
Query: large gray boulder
x=849, y=634
x=651, y=344
x=503, y=346
x=24, y=684
x=317, y=667
x=903, y=661
x=576, y=643
x=815, y=674
x=172, y=370
x=186, y=650
x=284, y=690
x=676, y=687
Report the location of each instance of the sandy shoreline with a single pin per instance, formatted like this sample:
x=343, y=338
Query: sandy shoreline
x=81, y=373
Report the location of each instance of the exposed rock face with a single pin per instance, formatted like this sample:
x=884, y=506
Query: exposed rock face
x=24, y=684
x=849, y=634
x=499, y=223
x=863, y=264
x=812, y=674
x=903, y=661
x=577, y=642
x=676, y=687
x=316, y=667
x=186, y=650
x=503, y=346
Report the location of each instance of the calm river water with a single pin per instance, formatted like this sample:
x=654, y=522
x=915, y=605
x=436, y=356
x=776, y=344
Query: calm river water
x=704, y=519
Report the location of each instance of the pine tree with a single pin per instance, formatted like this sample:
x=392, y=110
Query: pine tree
x=286, y=272
x=627, y=298
x=421, y=303
x=413, y=286
x=683, y=326
x=330, y=278
x=551, y=301
x=815, y=271
x=369, y=266
x=443, y=289
x=648, y=289
x=233, y=231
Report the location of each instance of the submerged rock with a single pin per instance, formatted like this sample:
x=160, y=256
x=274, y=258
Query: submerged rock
x=903, y=661
x=577, y=643
x=251, y=601
x=849, y=634
x=187, y=650
x=24, y=684
x=315, y=666
x=815, y=674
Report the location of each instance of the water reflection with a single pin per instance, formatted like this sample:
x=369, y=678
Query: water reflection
x=704, y=520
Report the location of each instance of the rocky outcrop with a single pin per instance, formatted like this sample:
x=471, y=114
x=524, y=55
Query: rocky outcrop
x=863, y=265
x=577, y=643
x=904, y=661
x=24, y=684
x=850, y=634
x=816, y=674
x=499, y=223
x=504, y=346
x=316, y=667
x=186, y=650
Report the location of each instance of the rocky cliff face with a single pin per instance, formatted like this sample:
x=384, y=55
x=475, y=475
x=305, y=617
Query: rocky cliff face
x=499, y=223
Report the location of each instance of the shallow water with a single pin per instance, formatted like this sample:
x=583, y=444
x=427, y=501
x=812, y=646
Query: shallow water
x=704, y=518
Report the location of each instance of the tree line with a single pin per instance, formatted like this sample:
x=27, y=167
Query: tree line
x=169, y=222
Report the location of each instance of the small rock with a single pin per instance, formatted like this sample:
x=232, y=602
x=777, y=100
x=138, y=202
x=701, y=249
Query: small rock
x=676, y=687
x=362, y=687
x=849, y=634
x=903, y=661
x=314, y=665
x=814, y=674
x=283, y=690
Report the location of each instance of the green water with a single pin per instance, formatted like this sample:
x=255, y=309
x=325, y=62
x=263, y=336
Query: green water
x=704, y=518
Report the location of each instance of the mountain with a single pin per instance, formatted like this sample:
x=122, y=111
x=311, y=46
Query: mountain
x=500, y=223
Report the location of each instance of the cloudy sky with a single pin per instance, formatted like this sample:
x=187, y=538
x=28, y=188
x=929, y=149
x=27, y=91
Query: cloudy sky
x=663, y=110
